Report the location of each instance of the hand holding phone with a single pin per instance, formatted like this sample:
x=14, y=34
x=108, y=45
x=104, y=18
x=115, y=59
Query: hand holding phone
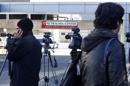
x=18, y=34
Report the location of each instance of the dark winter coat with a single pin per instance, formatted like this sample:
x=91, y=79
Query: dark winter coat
x=26, y=57
x=93, y=71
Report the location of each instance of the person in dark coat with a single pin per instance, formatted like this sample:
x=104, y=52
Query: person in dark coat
x=95, y=69
x=25, y=53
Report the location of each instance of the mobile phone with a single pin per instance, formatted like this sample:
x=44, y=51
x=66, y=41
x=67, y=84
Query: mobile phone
x=19, y=33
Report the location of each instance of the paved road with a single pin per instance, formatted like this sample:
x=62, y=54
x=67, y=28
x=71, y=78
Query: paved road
x=63, y=61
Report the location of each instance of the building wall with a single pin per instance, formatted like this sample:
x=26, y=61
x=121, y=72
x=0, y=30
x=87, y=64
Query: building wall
x=14, y=0
x=84, y=9
x=56, y=7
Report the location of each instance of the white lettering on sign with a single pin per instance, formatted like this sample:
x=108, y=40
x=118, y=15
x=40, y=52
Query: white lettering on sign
x=59, y=24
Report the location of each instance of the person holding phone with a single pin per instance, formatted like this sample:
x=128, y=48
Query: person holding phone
x=25, y=54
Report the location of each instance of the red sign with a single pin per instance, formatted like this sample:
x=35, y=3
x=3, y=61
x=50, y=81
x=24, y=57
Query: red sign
x=59, y=24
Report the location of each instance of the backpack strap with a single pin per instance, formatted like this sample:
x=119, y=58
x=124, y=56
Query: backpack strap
x=106, y=66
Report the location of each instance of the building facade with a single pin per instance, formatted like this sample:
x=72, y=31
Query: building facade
x=14, y=0
x=81, y=12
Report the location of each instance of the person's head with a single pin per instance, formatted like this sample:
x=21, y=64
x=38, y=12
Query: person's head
x=25, y=24
x=109, y=15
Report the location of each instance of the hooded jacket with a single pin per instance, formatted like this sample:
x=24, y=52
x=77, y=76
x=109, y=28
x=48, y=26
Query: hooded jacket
x=92, y=60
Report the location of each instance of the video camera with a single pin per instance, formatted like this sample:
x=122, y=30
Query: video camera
x=127, y=36
x=47, y=40
x=6, y=35
x=76, y=39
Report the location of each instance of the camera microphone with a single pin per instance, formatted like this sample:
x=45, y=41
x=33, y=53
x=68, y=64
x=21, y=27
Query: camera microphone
x=68, y=36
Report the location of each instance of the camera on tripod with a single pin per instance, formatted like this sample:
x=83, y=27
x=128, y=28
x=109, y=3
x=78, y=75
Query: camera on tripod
x=47, y=39
x=73, y=70
x=75, y=38
x=51, y=63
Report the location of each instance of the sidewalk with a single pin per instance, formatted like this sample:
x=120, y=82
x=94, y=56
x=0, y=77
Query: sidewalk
x=61, y=50
x=62, y=61
x=3, y=51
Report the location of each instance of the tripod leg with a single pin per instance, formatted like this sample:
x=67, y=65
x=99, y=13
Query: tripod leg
x=46, y=80
x=49, y=64
x=2, y=68
x=48, y=72
x=55, y=62
x=53, y=72
x=50, y=59
x=64, y=74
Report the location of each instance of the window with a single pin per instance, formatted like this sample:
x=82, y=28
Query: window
x=37, y=16
x=2, y=16
x=62, y=33
x=17, y=16
x=50, y=17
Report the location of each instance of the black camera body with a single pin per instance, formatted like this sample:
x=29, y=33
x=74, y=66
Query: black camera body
x=75, y=38
x=127, y=36
x=47, y=40
x=9, y=40
x=47, y=34
x=6, y=35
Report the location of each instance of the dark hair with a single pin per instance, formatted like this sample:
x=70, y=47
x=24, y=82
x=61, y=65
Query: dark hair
x=25, y=24
x=107, y=15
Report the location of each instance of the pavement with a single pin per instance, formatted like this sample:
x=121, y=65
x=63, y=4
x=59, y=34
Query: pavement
x=55, y=74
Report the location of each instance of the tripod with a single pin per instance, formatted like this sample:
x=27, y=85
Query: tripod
x=49, y=65
x=71, y=74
